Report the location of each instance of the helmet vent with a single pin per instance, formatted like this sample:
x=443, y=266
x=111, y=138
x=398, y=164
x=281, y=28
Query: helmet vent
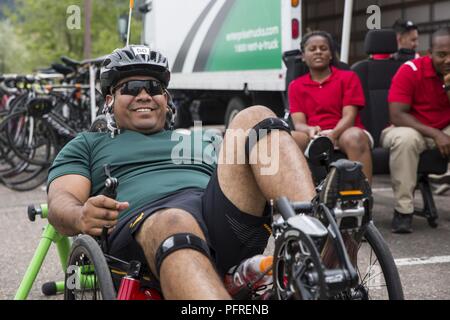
x=129, y=54
x=130, y=61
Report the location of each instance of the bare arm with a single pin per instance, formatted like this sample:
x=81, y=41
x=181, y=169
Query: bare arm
x=447, y=83
x=400, y=116
x=299, y=120
x=72, y=212
x=349, y=114
x=66, y=197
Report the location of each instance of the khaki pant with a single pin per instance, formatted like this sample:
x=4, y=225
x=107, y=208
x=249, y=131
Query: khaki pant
x=405, y=144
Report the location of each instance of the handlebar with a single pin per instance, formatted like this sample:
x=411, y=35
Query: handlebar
x=288, y=209
x=40, y=210
x=8, y=90
x=284, y=207
x=75, y=64
x=70, y=62
x=109, y=191
x=303, y=207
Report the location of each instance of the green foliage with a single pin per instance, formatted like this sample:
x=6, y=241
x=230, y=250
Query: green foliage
x=12, y=50
x=42, y=26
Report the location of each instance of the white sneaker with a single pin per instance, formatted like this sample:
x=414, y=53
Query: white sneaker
x=443, y=188
x=440, y=178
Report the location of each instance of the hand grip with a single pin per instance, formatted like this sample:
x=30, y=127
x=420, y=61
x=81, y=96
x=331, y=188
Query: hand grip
x=109, y=191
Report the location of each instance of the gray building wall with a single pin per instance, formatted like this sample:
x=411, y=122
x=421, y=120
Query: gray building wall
x=327, y=15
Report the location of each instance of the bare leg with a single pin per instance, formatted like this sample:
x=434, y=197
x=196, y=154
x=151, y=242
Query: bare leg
x=185, y=274
x=245, y=185
x=355, y=144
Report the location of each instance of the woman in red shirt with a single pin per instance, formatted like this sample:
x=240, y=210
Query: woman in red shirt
x=326, y=101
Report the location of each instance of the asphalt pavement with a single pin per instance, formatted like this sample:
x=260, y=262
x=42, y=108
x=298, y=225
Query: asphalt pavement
x=423, y=257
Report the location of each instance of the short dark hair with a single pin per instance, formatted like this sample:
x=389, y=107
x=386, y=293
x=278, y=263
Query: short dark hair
x=323, y=34
x=438, y=33
x=403, y=26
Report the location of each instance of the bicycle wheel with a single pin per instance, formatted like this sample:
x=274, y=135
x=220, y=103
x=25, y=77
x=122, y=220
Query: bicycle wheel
x=27, y=179
x=88, y=276
x=10, y=163
x=31, y=139
x=378, y=274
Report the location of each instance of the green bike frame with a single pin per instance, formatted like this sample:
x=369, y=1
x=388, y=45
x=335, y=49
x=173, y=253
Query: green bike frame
x=49, y=236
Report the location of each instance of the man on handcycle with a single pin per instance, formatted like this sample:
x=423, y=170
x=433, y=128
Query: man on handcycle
x=191, y=221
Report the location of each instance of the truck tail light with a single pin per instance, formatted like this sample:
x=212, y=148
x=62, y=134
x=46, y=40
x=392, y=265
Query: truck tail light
x=295, y=28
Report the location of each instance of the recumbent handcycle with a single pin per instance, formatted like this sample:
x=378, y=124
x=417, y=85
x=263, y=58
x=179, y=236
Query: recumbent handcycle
x=311, y=259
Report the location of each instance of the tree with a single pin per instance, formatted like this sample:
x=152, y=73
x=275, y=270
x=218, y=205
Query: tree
x=12, y=50
x=87, y=29
x=43, y=26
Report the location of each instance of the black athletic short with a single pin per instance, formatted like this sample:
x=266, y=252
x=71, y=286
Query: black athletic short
x=232, y=235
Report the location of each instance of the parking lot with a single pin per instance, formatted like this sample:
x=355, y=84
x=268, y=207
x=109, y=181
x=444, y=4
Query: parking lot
x=423, y=257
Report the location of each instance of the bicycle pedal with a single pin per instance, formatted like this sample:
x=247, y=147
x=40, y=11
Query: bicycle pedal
x=347, y=192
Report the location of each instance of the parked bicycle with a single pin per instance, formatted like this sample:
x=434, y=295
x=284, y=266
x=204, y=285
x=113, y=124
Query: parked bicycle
x=39, y=115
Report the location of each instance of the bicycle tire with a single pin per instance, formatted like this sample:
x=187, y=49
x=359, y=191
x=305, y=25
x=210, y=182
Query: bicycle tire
x=27, y=174
x=370, y=286
x=86, y=252
x=22, y=182
x=10, y=165
x=46, y=134
x=8, y=160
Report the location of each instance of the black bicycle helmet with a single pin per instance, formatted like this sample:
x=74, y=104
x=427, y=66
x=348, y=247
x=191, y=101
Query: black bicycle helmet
x=133, y=60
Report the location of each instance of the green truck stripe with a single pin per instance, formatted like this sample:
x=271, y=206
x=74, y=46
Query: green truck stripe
x=184, y=49
x=249, y=38
x=211, y=36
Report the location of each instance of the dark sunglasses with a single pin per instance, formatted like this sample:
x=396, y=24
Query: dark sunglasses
x=134, y=87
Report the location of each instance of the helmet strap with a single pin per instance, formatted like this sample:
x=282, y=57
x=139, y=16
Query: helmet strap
x=170, y=118
x=111, y=125
x=110, y=121
x=170, y=114
x=111, y=104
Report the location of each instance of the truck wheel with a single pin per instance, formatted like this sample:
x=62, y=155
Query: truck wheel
x=235, y=105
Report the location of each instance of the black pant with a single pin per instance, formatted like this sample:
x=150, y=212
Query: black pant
x=232, y=235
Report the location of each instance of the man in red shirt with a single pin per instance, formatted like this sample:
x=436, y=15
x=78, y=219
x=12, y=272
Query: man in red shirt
x=407, y=40
x=419, y=106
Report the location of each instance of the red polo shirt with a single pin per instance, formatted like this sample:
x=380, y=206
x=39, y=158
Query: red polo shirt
x=417, y=84
x=322, y=104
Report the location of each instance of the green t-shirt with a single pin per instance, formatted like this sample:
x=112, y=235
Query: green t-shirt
x=148, y=167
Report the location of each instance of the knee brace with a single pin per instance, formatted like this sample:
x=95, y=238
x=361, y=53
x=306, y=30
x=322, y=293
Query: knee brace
x=262, y=129
x=180, y=241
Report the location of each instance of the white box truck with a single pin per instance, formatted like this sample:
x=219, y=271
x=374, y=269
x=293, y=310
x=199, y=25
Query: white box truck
x=224, y=55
